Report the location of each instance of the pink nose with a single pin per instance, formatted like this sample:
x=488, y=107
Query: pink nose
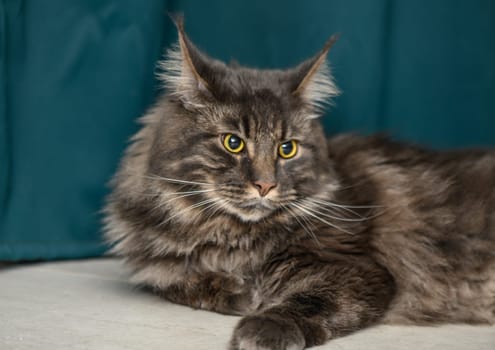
x=264, y=187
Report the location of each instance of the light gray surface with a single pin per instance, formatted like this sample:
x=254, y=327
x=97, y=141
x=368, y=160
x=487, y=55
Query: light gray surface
x=90, y=305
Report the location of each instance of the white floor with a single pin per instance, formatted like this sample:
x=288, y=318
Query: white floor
x=90, y=305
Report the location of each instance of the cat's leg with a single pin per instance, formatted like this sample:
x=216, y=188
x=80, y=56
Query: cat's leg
x=311, y=301
x=213, y=292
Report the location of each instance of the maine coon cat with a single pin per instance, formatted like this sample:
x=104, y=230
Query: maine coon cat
x=231, y=199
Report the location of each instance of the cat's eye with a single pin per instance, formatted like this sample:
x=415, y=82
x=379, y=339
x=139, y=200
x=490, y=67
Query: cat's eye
x=233, y=143
x=287, y=149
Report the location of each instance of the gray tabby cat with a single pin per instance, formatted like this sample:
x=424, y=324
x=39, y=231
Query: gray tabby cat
x=230, y=199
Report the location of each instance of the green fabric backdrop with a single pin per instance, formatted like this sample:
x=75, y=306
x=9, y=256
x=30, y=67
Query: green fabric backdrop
x=76, y=74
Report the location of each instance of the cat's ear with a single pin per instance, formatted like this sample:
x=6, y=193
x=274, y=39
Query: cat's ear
x=311, y=80
x=185, y=70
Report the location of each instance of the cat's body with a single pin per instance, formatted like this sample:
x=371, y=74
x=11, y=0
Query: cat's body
x=342, y=234
x=436, y=235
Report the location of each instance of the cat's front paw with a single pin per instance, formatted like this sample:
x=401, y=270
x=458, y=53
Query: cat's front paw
x=267, y=332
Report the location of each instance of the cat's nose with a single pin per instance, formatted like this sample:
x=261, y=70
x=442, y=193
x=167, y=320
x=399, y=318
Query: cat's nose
x=264, y=187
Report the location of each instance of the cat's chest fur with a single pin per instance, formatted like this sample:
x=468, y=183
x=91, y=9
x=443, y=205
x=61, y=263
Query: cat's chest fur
x=227, y=247
x=216, y=245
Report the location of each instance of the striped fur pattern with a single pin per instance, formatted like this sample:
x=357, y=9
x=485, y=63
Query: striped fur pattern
x=353, y=230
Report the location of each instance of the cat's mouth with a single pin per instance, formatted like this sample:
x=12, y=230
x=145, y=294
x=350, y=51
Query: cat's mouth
x=254, y=209
x=258, y=204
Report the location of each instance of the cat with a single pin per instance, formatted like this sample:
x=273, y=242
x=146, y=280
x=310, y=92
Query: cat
x=231, y=199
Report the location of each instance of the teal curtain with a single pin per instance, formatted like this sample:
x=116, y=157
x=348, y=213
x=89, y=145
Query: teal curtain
x=74, y=76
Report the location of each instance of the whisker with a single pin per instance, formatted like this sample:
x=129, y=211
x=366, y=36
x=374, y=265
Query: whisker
x=346, y=208
x=157, y=194
x=220, y=204
x=345, y=205
x=329, y=207
x=194, y=206
x=338, y=208
x=162, y=204
x=179, y=181
x=307, y=229
x=331, y=216
x=213, y=204
x=189, y=182
x=188, y=192
x=320, y=219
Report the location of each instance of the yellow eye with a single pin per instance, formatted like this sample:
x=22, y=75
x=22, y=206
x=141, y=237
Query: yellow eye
x=287, y=149
x=233, y=143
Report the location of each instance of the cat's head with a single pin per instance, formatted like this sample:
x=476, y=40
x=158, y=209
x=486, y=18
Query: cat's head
x=242, y=141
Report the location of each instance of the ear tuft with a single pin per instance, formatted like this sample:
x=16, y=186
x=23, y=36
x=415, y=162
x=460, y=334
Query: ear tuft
x=315, y=84
x=179, y=71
